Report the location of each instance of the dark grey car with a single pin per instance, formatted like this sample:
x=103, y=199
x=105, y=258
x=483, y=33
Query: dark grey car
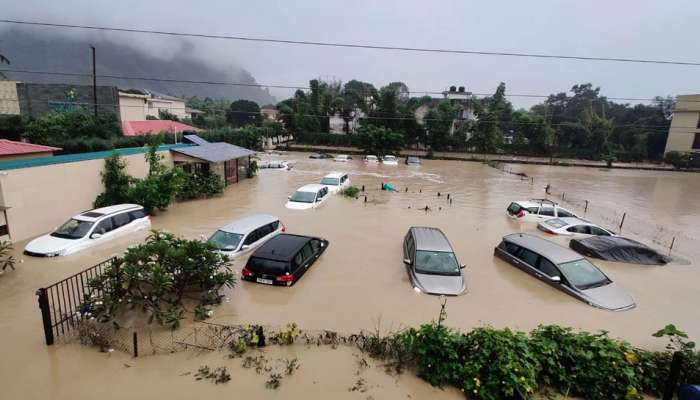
x=430, y=262
x=563, y=269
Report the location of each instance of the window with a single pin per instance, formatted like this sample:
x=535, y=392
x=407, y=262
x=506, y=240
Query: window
x=514, y=209
x=563, y=213
x=584, y=229
x=264, y=266
x=696, y=141
x=138, y=214
x=225, y=240
x=583, y=274
x=512, y=248
x=73, y=229
x=329, y=181
x=251, y=238
x=436, y=262
x=264, y=230
x=307, y=252
x=298, y=259
x=275, y=225
x=120, y=220
x=201, y=168
x=547, y=211
x=303, y=197
x=548, y=268
x=528, y=257
x=104, y=226
x=315, y=245
x=598, y=231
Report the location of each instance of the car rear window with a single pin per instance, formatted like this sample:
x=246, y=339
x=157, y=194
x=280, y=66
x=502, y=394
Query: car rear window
x=137, y=214
x=265, y=266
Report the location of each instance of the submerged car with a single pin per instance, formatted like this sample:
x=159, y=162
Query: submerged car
x=412, y=160
x=89, y=229
x=342, y=158
x=390, y=160
x=615, y=248
x=563, y=269
x=536, y=210
x=245, y=234
x=307, y=196
x=283, y=259
x=320, y=156
x=336, y=182
x=570, y=226
x=431, y=263
x=370, y=159
x=274, y=164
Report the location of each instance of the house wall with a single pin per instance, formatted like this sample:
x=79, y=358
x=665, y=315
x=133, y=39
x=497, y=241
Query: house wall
x=172, y=106
x=26, y=156
x=9, y=102
x=37, y=99
x=132, y=108
x=43, y=197
x=684, y=124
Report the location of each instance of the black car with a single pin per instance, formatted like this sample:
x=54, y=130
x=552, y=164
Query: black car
x=321, y=156
x=616, y=248
x=283, y=259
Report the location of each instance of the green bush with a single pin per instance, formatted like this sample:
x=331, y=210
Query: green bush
x=197, y=186
x=351, y=191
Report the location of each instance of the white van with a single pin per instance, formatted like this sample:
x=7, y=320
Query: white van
x=336, y=182
x=244, y=234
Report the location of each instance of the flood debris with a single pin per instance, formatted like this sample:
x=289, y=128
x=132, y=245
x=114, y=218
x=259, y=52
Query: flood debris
x=216, y=376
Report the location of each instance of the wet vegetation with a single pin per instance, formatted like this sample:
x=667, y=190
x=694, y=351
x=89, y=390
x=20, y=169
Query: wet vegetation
x=7, y=260
x=216, y=376
x=351, y=191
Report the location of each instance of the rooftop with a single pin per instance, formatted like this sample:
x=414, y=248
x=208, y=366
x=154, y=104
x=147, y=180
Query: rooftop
x=214, y=152
x=11, y=148
x=430, y=239
x=248, y=223
x=281, y=247
x=554, y=252
x=156, y=126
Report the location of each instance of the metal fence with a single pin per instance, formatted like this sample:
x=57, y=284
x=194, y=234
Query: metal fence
x=60, y=302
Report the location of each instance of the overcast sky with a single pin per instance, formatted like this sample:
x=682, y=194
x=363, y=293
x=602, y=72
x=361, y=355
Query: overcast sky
x=621, y=28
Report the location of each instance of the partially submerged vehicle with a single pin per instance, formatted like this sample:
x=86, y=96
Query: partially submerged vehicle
x=431, y=263
x=412, y=160
x=336, y=182
x=563, y=269
x=307, y=196
x=371, y=159
x=342, y=158
x=320, y=156
x=283, y=259
x=616, y=248
x=245, y=234
x=90, y=228
x=537, y=210
x=274, y=164
x=570, y=226
x=390, y=160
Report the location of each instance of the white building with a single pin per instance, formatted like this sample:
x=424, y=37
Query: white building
x=138, y=105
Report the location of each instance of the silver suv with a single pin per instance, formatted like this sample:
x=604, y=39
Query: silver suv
x=244, y=234
x=430, y=262
x=563, y=269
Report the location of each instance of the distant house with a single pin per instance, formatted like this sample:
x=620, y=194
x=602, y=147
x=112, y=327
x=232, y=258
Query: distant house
x=336, y=121
x=269, y=112
x=140, y=104
x=229, y=161
x=155, y=126
x=457, y=96
x=12, y=150
x=684, y=133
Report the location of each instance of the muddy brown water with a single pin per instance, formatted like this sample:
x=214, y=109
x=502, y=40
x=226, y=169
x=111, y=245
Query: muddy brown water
x=360, y=281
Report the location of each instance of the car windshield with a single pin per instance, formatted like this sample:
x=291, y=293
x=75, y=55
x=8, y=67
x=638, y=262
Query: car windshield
x=73, y=229
x=390, y=158
x=436, y=262
x=556, y=222
x=303, y=197
x=225, y=241
x=329, y=181
x=583, y=275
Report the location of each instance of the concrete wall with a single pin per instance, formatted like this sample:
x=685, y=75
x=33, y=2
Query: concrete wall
x=36, y=99
x=684, y=124
x=174, y=107
x=132, y=108
x=42, y=198
x=9, y=102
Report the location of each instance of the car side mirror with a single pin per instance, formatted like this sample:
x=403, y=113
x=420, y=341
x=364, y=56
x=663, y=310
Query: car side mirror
x=245, y=246
x=463, y=266
x=95, y=236
x=289, y=197
x=407, y=261
x=555, y=278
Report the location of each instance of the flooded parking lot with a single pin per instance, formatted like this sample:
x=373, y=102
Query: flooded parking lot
x=361, y=280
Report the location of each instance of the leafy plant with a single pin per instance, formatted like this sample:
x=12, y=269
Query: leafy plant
x=351, y=191
x=6, y=260
x=197, y=186
x=216, y=376
x=274, y=382
x=252, y=169
x=287, y=336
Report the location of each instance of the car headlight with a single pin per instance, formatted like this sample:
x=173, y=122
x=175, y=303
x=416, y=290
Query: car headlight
x=416, y=289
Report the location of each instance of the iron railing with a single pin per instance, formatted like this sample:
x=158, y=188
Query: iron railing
x=60, y=302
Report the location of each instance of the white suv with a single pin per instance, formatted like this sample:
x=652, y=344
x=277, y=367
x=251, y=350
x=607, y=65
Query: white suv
x=336, y=182
x=89, y=229
x=308, y=196
x=537, y=210
x=244, y=234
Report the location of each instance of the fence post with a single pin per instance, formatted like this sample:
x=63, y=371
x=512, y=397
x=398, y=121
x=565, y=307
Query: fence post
x=136, y=345
x=623, y=220
x=562, y=195
x=673, y=375
x=45, y=315
x=585, y=209
x=671, y=247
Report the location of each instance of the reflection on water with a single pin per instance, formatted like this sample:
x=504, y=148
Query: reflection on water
x=361, y=277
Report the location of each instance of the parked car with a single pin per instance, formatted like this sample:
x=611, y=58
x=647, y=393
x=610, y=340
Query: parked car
x=563, y=269
x=274, y=164
x=89, y=229
x=245, y=234
x=342, y=158
x=307, y=196
x=283, y=259
x=370, y=159
x=431, y=263
x=618, y=249
x=390, y=160
x=336, y=181
x=536, y=210
x=320, y=156
x=570, y=226
x=412, y=160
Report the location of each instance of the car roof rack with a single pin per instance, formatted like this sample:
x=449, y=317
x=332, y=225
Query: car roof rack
x=542, y=201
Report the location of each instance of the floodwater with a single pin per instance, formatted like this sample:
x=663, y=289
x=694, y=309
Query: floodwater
x=361, y=282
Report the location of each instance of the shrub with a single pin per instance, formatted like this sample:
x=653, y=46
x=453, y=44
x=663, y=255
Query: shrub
x=351, y=191
x=158, y=277
x=7, y=260
x=116, y=182
x=197, y=186
x=326, y=139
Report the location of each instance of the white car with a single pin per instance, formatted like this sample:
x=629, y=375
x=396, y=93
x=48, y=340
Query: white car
x=390, y=160
x=370, y=159
x=274, y=164
x=572, y=227
x=89, y=229
x=244, y=234
x=336, y=182
x=308, y=196
x=342, y=158
x=537, y=210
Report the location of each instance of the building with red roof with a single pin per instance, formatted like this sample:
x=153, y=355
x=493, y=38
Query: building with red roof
x=12, y=150
x=154, y=127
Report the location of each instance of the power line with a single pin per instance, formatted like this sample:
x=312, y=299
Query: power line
x=355, y=45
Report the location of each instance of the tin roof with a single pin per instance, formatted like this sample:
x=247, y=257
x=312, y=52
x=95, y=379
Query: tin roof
x=11, y=147
x=214, y=152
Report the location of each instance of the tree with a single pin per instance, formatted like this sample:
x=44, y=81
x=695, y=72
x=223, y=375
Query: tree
x=116, y=182
x=379, y=140
x=439, y=122
x=55, y=128
x=243, y=112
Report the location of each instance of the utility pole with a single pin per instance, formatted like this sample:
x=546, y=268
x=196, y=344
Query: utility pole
x=94, y=80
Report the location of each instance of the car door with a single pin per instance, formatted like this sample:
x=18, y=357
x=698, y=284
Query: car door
x=545, y=212
x=321, y=196
x=579, y=231
x=527, y=261
x=303, y=260
x=250, y=240
x=120, y=224
x=102, y=229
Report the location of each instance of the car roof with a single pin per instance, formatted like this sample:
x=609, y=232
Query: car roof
x=312, y=187
x=248, y=223
x=554, y=252
x=609, y=242
x=430, y=239
x=536, y=203
x=572, y=221
x=389, y=156
x=335, y=175
x=413, y=158
x=94, y=215
x=342, y=155
x=282, y=247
